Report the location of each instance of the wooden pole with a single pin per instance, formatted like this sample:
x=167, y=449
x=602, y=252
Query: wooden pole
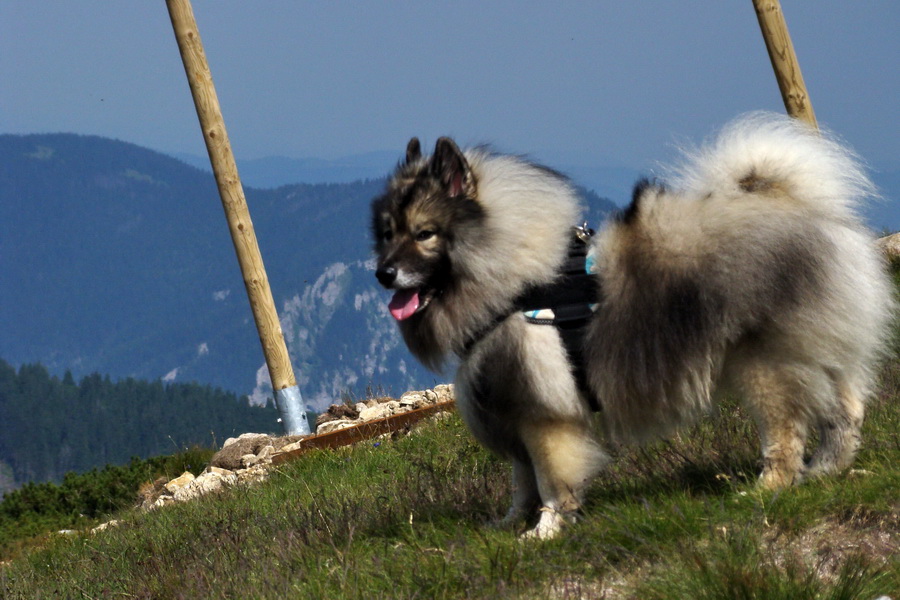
x=790, y=82
x=784, y=60
x=238, y=215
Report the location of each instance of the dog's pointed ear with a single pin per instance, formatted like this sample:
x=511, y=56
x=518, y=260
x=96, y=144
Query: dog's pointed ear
x=413, y=151
x=450, y=166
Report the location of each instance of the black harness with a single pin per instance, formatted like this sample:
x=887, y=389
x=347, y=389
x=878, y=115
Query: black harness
x=567, y=303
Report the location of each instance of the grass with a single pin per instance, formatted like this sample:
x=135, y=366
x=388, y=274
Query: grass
x=411, y=518
x=82, y=499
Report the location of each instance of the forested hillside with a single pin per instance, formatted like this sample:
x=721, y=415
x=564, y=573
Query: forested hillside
x=50, y=425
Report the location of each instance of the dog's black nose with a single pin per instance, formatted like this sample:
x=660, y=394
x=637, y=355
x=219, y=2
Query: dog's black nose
x=386, y=275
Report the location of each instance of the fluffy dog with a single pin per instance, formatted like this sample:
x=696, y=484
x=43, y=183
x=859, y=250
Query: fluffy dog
x=749, y=271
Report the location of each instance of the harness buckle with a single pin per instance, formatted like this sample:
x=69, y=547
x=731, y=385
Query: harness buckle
x=583, y=232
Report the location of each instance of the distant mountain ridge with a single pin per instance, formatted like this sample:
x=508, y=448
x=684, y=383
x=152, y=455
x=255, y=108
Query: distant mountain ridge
x=276, y=171
x=612, y=182
x=116, y=259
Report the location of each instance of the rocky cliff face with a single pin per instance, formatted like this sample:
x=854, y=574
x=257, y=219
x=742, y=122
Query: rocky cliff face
x=342, y=341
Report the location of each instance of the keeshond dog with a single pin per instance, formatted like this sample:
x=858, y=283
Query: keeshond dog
x=749, y=271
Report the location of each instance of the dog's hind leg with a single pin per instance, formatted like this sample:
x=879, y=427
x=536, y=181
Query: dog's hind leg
x=839, y=430
x=565, y=458
x=783, y=437
x=776, y=397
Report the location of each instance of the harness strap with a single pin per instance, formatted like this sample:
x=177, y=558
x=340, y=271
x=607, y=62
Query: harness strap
x=573, y=340
x=570, y=300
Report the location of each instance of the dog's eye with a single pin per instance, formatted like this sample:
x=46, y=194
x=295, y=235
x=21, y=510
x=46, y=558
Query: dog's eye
x=387, y=235
x=425, y=235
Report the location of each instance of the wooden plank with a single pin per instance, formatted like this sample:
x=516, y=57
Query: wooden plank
x=364, y=431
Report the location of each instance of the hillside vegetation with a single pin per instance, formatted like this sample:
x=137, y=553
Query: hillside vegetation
x=29, y=514
x=411, y=518
x=50, y=426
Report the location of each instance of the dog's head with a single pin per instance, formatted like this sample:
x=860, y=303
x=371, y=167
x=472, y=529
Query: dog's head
x=429, y=203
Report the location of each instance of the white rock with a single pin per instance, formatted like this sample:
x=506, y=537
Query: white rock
x=265, y=454
x=335, y=425
x=291, y=447
x=105, y=526
x=161, y=501
x=859, y=473
x=372, y=413
x=253, y=474
x=205, y=484
x=211, y=480
x=413, y=399
x=444, y=392
x=243, y=436
x=185, y=494
x=179, y=482
x=219, y=470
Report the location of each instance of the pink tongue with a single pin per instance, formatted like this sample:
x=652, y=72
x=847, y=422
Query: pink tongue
x=404, y=304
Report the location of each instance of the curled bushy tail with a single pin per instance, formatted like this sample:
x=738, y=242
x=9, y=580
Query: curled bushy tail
x=812, y=167
x=751, y=259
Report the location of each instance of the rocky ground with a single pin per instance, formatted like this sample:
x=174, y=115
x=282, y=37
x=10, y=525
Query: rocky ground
x=247, y=458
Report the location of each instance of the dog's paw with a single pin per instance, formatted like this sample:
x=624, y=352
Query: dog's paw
x=513, y=518
x=549, y=524
x=775, y=479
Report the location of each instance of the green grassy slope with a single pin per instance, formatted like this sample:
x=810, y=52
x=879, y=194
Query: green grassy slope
x=411, y=519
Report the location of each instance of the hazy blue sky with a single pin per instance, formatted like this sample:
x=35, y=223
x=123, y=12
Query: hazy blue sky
x=597, y=82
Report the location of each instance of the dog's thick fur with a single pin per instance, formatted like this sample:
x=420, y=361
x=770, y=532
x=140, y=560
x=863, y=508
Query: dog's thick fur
x=748, y=271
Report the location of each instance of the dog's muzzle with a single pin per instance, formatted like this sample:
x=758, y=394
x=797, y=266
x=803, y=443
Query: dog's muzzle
x=386, y=276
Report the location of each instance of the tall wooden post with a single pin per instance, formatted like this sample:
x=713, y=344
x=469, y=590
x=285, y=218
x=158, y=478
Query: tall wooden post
x=287, y=394
x=784, y=60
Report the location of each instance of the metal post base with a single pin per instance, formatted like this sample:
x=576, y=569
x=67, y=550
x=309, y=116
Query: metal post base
x=292, y=411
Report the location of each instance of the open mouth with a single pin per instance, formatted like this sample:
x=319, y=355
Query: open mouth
x=408, y=302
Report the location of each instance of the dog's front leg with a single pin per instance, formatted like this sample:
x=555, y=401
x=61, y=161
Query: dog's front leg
x=525, y=497
x=566, y=458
